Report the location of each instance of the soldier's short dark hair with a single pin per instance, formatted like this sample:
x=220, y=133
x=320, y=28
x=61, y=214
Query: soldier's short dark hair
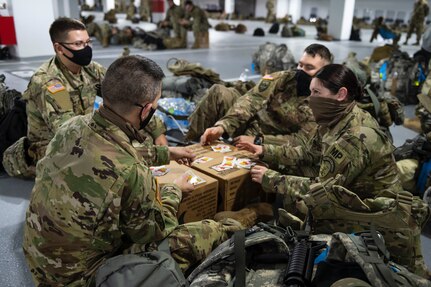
x=335, y=76
x=131, y=80
x=188, y=2
x=322, y=51
x=63, y=25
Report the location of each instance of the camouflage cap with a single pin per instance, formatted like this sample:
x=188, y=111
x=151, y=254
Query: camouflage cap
x=350, y=282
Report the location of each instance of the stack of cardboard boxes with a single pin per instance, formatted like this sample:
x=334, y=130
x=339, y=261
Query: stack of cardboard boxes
x=229, y=189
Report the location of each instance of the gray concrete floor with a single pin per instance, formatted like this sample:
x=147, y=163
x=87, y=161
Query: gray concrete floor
x=228, y=55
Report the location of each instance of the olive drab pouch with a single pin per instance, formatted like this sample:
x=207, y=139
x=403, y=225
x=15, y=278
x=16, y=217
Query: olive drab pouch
x=155, y=268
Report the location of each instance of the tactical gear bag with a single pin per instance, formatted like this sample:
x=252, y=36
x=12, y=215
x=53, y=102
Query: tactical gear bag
x=274, y=28
x=271, y=58
x=255, y=256
x=155, y=268
x=362, y=256
x=240, y=29
x=188, y=87
x=400, y=220
x=181, y=67
x=259, y=32
x=13, y=119
x=286, y=32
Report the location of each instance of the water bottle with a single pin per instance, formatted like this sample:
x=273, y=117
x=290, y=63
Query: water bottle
x=244, y=75
x=97, y=102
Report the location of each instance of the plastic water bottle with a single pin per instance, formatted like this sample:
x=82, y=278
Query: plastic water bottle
x=97, y=102
x=244, y=75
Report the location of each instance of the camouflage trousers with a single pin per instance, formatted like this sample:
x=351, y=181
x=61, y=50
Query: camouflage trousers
x=191, y=243
x=416, y=27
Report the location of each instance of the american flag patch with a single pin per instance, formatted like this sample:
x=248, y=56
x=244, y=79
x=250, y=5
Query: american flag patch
x=56, y=88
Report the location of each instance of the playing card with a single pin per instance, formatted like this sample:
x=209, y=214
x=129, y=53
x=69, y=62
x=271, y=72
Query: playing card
x=220, y=167
x=221, y=148
x=203, y=159
x=159, y=170
x=193, y=178
x=244, y=163
x=228, y=161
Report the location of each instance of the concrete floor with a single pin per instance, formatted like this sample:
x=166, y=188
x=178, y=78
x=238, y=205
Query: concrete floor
x=228, y=55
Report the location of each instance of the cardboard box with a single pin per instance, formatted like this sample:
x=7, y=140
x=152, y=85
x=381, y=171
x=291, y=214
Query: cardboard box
x=201, y=203
x=235, y=186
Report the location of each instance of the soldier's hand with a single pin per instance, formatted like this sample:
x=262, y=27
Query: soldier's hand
x=183, y=184
x=257, y=173
x=254, y=148
x=182, y=155
x=211, y=134
x=243, y=139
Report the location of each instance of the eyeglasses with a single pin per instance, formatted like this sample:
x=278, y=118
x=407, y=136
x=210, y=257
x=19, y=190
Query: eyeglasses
x=79, y=44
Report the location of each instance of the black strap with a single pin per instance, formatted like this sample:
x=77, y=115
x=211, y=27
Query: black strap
x=239, y=247
x=177, y=117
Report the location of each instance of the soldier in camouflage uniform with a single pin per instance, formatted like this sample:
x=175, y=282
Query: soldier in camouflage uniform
x=173, y=16
x=350, y=144
x=420, y=12
x=145, y=10
x=270, y=14
x=196, y=18
x=62, y=88
x=275, y=106
x=95, y=196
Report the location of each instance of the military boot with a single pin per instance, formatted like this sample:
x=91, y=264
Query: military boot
x=249, y=215
x=413, y=124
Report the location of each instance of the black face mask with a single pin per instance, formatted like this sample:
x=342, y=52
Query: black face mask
x=80, y=57
x=303, y=81
x=145, y=122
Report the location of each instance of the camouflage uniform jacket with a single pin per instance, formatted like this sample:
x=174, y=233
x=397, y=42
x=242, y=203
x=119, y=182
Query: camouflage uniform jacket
x=354, y=147
x=198, y=19
x=174, y=13
x=274, y=105
x=94, y=196
x=54, y=95
x=420, y=11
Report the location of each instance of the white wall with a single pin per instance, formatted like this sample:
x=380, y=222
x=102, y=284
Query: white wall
x=360, y=6
x=32, y=41
x=260, y=8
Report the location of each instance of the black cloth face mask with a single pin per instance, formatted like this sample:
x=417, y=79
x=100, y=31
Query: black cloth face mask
x=303, y=81
x=80, y=57
x=145, y=122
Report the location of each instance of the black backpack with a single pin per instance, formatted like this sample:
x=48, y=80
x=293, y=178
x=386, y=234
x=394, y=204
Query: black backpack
x=13, y=126
x=259, y=32
x=274, y=28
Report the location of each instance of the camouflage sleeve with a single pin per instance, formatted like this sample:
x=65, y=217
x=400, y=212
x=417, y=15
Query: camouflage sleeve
x=246, y=106
x=291, y=187
x=348, y=156
x=48, y=102
x=148, y=214
x=156, y=127
x=302, y=150
x=154, y=155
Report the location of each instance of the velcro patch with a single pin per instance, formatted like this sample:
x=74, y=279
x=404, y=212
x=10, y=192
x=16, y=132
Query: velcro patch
x=332, y=159
x=58, y=87
x=268, y=77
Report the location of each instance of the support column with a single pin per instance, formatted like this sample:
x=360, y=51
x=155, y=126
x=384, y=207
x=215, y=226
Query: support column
x=66, y=9
x=340, y=18
x=289, y=7
x=32, y=41
x=229, y=6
